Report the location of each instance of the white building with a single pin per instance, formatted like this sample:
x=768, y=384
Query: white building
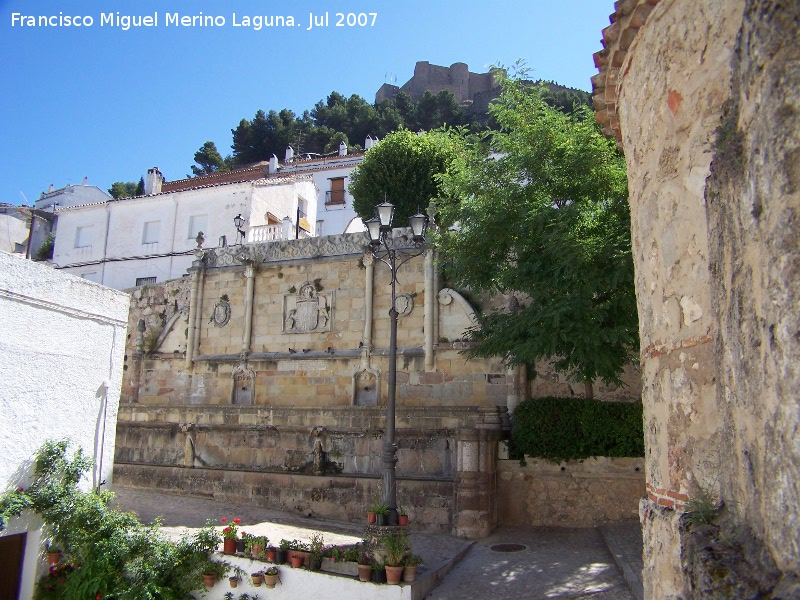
x=62, y=344
x=135, y=241
x=13, y=228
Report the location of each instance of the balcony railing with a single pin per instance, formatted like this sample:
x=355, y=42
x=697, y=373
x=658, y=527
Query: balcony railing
x=276, y=231
x=335, y=197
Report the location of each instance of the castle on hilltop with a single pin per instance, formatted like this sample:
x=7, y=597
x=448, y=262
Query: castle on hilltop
x=473, y=90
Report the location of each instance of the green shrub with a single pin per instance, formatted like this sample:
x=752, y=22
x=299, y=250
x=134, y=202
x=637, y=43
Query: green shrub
x=45, y=250
x=108, y=553
x=575, y=428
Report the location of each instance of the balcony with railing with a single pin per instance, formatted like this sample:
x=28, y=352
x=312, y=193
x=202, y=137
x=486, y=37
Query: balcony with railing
x=335, y=198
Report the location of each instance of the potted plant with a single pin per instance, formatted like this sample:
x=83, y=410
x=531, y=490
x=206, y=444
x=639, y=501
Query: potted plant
x=240, y=543
x=365, y=568
x=378, y=573
x=375, y=508
x=381, y=513
x=402, y=516
x=297, y=553
x=411, y=562
x=53, y=555
x=213, y=570
x=257, y=544
x=229, y=535
x=315, y=549
x=396, y=546
x=258, y=578
x=271, y=577
x=281, y=554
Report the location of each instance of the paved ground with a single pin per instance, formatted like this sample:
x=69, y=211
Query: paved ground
x=585, y=563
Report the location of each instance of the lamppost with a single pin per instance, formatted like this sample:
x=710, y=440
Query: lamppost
x=379, y=229
x=238, y=221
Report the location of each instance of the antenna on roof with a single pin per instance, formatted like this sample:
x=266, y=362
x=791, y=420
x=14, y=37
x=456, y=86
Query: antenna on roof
x=24, y=198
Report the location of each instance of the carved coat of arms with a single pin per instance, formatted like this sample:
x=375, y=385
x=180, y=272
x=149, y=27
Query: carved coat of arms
x=307, y=311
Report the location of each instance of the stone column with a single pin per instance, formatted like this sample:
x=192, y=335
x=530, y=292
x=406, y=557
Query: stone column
x=369, y=285
x=138, y=358
x=250, y=275
x=475, y=505
x=430, y=307
x=193, y=312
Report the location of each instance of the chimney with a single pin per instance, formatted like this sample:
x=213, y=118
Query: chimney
x=289, y=154
x=342, y=149
x=85, y=180
x=50, y=189
x=273, y=164
x=152, y=184
x=368, y=143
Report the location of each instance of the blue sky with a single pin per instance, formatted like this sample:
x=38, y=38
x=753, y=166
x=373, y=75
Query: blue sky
x=107, y=104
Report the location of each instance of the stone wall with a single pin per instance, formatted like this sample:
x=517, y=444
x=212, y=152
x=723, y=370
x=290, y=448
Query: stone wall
x=716, y=256
x=273, y=359
x=569, y=494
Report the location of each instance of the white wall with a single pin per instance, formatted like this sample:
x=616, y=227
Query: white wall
x=62, y=342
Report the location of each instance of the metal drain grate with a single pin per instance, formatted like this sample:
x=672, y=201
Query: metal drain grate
x=508, y=547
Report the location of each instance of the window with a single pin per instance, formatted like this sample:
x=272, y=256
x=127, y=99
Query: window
x=145, y=280
x=150, y=233
x=336, y=194
x=197, y=223
x=83, y=236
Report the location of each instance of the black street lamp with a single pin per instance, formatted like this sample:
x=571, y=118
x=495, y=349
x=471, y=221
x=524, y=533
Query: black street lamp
x=379, y=229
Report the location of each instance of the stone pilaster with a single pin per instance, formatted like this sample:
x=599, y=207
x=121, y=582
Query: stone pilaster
x=475, y=511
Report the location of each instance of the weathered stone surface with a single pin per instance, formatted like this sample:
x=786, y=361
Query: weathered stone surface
x=571, y=494
x=717, y=257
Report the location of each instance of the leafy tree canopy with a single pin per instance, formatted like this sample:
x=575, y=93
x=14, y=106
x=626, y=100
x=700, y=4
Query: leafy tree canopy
x=545, y=218
x=403, y=169
x=126, y=189
x=338, y=117
x=209, y=160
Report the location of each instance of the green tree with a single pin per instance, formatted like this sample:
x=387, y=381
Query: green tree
x=546, y=219
x=125, y=189
x=208, y=160
x=403, y=168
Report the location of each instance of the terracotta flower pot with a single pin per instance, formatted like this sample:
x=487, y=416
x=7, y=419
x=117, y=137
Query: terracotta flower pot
x=234, y=581
x=402, y=520
x=256, y=550
x=409, y=574
x=272, y=554
x=296, y=560
x=229, y=546
x=364, y=572
x=209, y=579
x=270, y=580
x=394, y=574
x=258, y=579
x=53, y=558
x=371, y=516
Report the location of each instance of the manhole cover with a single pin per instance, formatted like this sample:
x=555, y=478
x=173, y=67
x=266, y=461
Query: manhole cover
x=508, y=547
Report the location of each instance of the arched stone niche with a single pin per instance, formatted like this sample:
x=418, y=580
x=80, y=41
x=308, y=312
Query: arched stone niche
x=366, y=387
x=243, y=388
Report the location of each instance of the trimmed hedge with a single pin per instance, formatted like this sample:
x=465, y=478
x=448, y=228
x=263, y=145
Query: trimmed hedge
x=575, y=428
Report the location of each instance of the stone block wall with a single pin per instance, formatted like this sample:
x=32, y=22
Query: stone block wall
x=682, y=84
x=569, y=494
